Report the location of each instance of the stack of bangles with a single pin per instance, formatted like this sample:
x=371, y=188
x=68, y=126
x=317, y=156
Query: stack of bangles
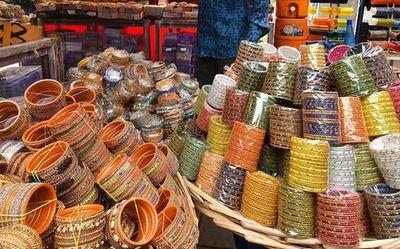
x=121, y=179
x=337, y=53
x=308, y=168
x=152, y=162
x=44, y=98
x=205, y=90
x=57, y=165
x=210, y=169
x=82, y=94
x=352, y=123
x=217, y=94
x=384, y=207
x=166, y=92
x=296, y=212
x=175, y=230
x=338, y=218
x=313, y=55
x=380, y=114
x=37, y=136
x=268, y=162
x=194, y=130
x=9, y=179
x=81, y=226
x=205, y=114
x=234, y=106
x=177, y=141
x=248, y=51
x=284, y=123
x=173, y=118
x=120, y=136
x=311, y=79
x=10, y=148
x=260, y=198
x=251, y=76
x=18, y=165
x=190, y=158
x=342, y=173
x=367, y=172
x=245, y=146
x=257, y=110
x=321, y=116
x=98, y=118
x=14, y=120
x=365, y=217
x=394, y=92
x=167, y=198
x=229, y=189
x=170, y=160
x=218, y=135
x=131, y=224
x=143, y=84
x=20, y=236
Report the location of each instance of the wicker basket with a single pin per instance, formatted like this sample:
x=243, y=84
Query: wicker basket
x=255, y=233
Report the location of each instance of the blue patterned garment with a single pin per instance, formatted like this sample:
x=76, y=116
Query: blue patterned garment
x=224, y=23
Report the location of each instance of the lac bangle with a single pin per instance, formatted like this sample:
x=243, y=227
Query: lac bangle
x=44, y=98
x=342, y=174
x=268, y=162
x=191, y=156
x=96, y=115
x=296, y=212
x=311, y=79
x=192, y=129
x=353, y=128
x=167, y=199
x=337, y=53
x=380, y=114
x=170, y=159
x=234, y=106
x=120, y=57
x=134, y=70
x=82, y=95
x=321, y=116
x=205, y=90
x=13, y=120
x=260, y=198
x=308, y=168
x=245, y=146
x=284, y=123
x=313, y=55
x=289, y=54
x=20, y=236
x=345, y=232
x=366, y=226
x=18, y=165
x=218, y=136
x=251, y=76
x=257, y=111
x=142, y=218
x=248, y=51
x=37, y=136
x=173, y=117
x=10, y=148
x=394, y=92
x=352, y=77
x=204, y=116
x=170, y=183
x=120, y=136
x=209, y=172
x=177, y=141
x=6, y=179
x=217, y=94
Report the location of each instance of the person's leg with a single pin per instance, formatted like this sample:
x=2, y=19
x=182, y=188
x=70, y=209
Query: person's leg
x=221, y=63
x=241, y=243
x=205, y=70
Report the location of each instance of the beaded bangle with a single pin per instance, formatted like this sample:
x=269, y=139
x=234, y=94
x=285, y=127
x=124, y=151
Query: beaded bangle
x=251, y=76
x=20, y=236
x=234, y=106
x=248, y=51
x=342, y=168
x=190, y=158
x=281, y=80
x=284, y=123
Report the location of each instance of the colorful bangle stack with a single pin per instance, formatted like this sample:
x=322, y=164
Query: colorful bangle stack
x=210, y=169
x=284, y=163
x=120, y=57
x=248, y=51
x=234, y=106
x=367, y=172
x=120, y=179
x=289, y=54
x=385, y=151
x=173, y=118
x=194, y=130
x=229, y=189
x=170, y=159
x=269, y=162
x=218, y=135
x=187, y=106
x=384, y=207
x=57, y=165
x=175, y=230
x=168, y=198
x=365, y=217
x=177, y=142
x=152, y=161
x=18, y=165
x=37, y=136
x=6, y=179
x=313, y=55
x=338, y=217
x=321, y=116
x=133, y=70
x=311, y=79
x=131, y=224
x=82, y=95
x=379, y=68
x=96, y=115
x=73, y=125
x=190, y=158
x=308, y=168
x=13, y=120
x=352, y=77
x=10, y=148
x=205, y=114
x=380, y=115
x=337, y=53
x=120, y=136
x=394, y=92
x=284, y=123
x=216, y=97
x=203, y=94
x=81, y=226
x=44, y=98
x=342, y=174
x=251, y=76
x=257, y=110
x=31, y=204
x=260, y=198
x=296, y=212
x=353, y=128
x=245, y=146
x=20, y=236
x=281, y=80
x=143, y=84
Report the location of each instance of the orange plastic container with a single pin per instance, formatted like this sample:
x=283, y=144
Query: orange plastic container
x=292, y=8
x=290, y=32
